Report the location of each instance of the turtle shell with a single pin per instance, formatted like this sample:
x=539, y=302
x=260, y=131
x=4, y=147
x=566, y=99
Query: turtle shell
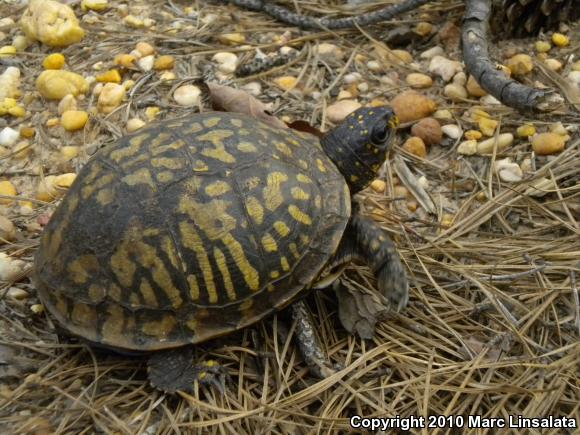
x=190, y=229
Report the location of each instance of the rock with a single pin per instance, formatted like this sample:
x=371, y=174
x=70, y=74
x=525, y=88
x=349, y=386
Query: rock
x=374, y=66
x=72, y=120
x=336, y=112
x=487, y=125
x=508, y=171
x=94, y=5
x=125, y=60
x=134, y=124
x=400, y=57
x=51, y=23
x=432, y=52
x=53, y=61
x=450, y=35
x=553, y=64
x=503, y=141
x=548, y=143
x=164, y=62
x=232, y=38
x=473, y=134
x=467, y=147
x=520, y=64
x=344, y=95
x=286, y=82
x=455, y=92
x=490, y=100
x=7, y=229
x=443, y=114
x=227, y=62
x=110, y=76
x=110, y=97
x=144, y=49
x=55, y=84
x=8, y=137
x=558, y=128
x=542, y=46
x=573, y=77
x=379, y=186
x=353, y=77
x=329, y=52
x=8, y=189
x=418, y=80
x=9, y=83
x=68, y=102
x=560, y=40
x=146, y=63
x=429, y=130
x=474, y=89
x=460, y=78
x=526, y=130
x=451, y=130
x=424, y=28
x=187, y=95
x=411, y=106
x=17, y=294
x=253, y=88
x=444, y=68
x=416, y=146
x=68, y=153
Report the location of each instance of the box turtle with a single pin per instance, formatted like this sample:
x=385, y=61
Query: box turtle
x=192, y=228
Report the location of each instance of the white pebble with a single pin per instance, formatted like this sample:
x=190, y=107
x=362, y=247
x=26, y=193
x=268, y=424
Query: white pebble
x=467, y=147
x=508, y=171
x=8, y=137
x=328, y=51
x=21, y=42
x=353, y=77
x=286, y=50
x=423, y=182
x=227, y=62
x=451, y=130
x=504, y=140
x=460, y=78
x=444, y=68
x=187, y=95
x=363, y=87
x=432, y=52
x=574, y=78
x=374, y=66
x=253, y=88
x=134, y=124
x=17, y=293
x=490, y=100
x=10, y=268
x=146, y=62
x=455, y=92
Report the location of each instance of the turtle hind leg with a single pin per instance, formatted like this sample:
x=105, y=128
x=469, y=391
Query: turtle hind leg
x=173, y=370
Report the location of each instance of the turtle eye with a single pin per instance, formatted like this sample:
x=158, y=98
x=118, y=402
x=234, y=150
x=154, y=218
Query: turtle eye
x=381, y=134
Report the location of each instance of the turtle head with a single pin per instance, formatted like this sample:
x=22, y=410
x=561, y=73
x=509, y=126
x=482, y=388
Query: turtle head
x=358, y=146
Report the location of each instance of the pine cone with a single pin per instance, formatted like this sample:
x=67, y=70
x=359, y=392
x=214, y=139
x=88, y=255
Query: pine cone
x=528, y=17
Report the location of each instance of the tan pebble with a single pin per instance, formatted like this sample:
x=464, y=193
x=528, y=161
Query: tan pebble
x=329, y=52
x=187, y=95
x=64, y=181
x=542, y=46
x=227, y=62
x=423, y=28
x=444, y=68
x=410, y=106
x=22, y=150
x=560, y=40
x=110, y=97
x=467, y=147
x=363, y=87
x=558, y=128
x=94, y=5
x=152, y=112
x=46, y=190
x=526, y=130
x=429, y=130
x=69, y=152
x=7, y=229
x=377, y=102
x=443, y=114
x=164, y=62
x=432, y=52
x=418, y=80
x=379, y=186
x=455, y=92
x=68, y=102
x=8, y=189
x=374, y=66
x=474, y=89
x=52, y=122
x=344, y=95
x=401, y=56
x=508, y=171
x=412, y=205
x=481, y=196
x=576, y=66
x=447, y=220
x=416, y=146
x=336, y=112
x=134, y=124
x=232, y=38
x=553, y=64
x=21, y=42
x=17, y=294
x=548, y=143
x=72, y=120
x=53, y=61
x=27, y=132
x=473, y=134
x=125, y=60
x=401, y=192
x=146, y=63
x=520, y=64
x=111, y=76
x=487, y=126
x=51, y=23
x=55, y=84
x=144, y=49
x=503, y=141
x=39, y=309
x=167, y=76
x=460, y=78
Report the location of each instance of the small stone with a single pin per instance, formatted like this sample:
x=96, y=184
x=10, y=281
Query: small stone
x=65, y=181
x=526, y=130
x=379, y=186
x=573, y=77
x=146, y=63
x=503, y=141
x=508, y=171
x=52, y=122
x=418, y=80
x=125, y=60
x=21, y=42
x=432, y=52
x=227, y=62
x=134, y=124
x=17, y=294
x=167, y=76
x=443, y=114
x=111, y=76
x=39, y=309
x=110, y=97
x=232, y=38
x=8, y=189
x=473, y=134
x=27, y=132
x=560, y=40
x=542, y=46
x=374, y=66
x=400, y=56
x=558, y=128
x=520, y=64
x=7, y=229
x=416, y=146
x=401, y=192
x=344, y=95
x=455, y=92
x=467, y=147
x=451, y=130
x=487, y=125
x=69, y=152
x=354, y=77
x=94, y=5
x=152, y=112
x=548, y=143
x=423, y=28
x=329, y=52
x=164, y=62
x=447, y=220
x=553, y=64
x=73, y=120
x=53, y=61
x=68, y=102
x=411, y=106
x=286, y=82
x=144, y=49
x=187, y=95
x=336, y=112
x=363, y=87
x=51, y=23
x=55, y=84
x=253, y=88
x=444, y=68
x=474, y=89
x=412, y=205
x=133, y=21
x=576, y=66
x=490, y=100
x=8, y=136
x=429, y=130
x=22, y=150
x=450, y=35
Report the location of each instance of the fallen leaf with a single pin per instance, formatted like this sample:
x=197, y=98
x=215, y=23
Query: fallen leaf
x=304, y=126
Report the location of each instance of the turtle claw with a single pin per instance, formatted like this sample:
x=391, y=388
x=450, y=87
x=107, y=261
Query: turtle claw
x=211, y=373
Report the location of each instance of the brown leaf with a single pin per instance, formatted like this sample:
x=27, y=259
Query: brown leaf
x=305, y=127
x=229, y=99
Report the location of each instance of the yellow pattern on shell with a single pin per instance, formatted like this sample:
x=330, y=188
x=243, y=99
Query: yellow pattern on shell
x=299, y=215
x=219, y=152
x=269, y=243
x=222, y=265
x=217, y=188
x=272, y=192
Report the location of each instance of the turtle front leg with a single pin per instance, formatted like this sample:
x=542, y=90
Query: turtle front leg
x=373, y=246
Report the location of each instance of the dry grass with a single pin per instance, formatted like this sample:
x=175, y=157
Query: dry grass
x=493, y=323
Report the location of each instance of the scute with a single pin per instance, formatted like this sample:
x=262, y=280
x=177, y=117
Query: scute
x=188, y=230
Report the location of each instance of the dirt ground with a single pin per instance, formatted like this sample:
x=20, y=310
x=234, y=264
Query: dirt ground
x=491, y=245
